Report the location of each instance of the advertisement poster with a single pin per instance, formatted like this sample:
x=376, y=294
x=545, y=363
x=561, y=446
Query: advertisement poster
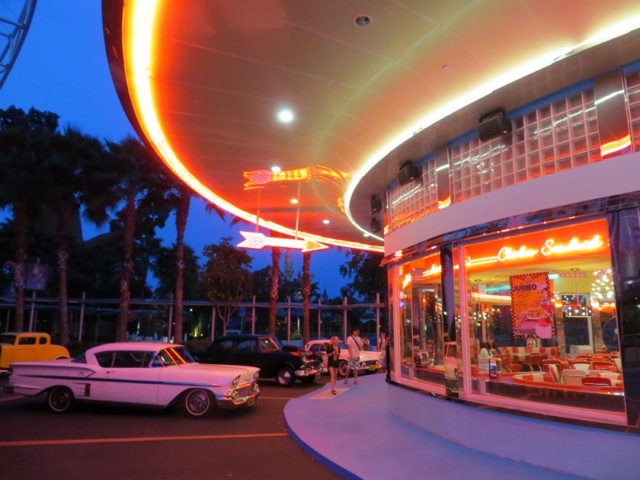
x=531, y=305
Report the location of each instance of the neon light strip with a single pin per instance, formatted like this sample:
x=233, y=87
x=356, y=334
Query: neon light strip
x=139, y=70
x=609, y=33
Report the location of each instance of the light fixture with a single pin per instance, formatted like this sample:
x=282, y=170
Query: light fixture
x=294, y=201
x=286, y=115
x=276, y=169
x=362, y=20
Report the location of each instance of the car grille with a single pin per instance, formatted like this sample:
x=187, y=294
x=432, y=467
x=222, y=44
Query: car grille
x=245, y=390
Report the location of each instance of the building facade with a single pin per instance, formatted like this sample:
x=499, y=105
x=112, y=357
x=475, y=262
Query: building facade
x=513, y=258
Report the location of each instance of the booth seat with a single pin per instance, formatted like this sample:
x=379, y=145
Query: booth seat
x=520, y=354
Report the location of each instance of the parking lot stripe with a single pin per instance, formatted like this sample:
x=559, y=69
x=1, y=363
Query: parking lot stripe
x=83, y=441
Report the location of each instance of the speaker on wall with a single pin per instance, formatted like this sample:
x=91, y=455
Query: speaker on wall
x=493, y=124
x=408, y=172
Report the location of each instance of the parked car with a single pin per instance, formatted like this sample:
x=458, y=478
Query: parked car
x=26, y=347
x=265, y=352
x=370, y=361
x=149, y=374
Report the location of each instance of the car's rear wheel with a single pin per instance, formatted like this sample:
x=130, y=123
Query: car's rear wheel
x=60, y=399
x=342, y=368
x=285, y=377
x=198, y=403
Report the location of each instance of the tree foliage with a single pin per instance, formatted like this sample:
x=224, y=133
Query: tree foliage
x=226, y=277
x=367, y=276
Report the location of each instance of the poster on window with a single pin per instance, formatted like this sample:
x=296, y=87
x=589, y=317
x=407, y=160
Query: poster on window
x=531, y=305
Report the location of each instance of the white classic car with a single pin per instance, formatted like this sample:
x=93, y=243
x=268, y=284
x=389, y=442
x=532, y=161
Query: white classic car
x=137, y=373
x=370, y=361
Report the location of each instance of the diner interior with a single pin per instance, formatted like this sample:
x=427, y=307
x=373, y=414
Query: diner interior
x=561, y=347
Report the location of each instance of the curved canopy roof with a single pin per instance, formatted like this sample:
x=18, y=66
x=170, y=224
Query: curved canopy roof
x=367, y=84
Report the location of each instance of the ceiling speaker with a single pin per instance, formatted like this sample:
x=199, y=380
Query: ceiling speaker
x=408, y=173
x=493, y=124
x=376, y=204
x=375, y=225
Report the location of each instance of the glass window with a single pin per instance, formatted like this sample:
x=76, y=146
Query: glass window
x=422, y=333
x=540, y=317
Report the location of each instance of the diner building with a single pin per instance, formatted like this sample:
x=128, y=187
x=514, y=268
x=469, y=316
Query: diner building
x=513, y=255
x=489, y=150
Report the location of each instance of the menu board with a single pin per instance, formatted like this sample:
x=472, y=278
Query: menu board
x=531, y=305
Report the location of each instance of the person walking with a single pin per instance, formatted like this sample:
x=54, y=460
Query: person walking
x=382, y=347
x=333, y=361
x=354, y=345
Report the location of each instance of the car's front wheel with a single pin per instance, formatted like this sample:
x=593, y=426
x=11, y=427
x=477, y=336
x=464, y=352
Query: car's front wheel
x=60, y=399
x=342, y=368
x=198, y=403
x=285, y=377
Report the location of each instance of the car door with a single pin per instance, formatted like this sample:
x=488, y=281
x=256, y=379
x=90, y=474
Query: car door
x=246, y=352
x=129, y=378
x=220, y=351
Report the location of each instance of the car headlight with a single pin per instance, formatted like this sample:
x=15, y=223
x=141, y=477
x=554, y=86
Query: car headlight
x=236, y=381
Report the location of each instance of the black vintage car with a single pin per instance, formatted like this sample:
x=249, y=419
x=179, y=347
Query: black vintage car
x=265, y=352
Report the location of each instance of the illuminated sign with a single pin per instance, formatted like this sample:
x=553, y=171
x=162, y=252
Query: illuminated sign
x=585, y=239
x=259, y=178
x=258, y=241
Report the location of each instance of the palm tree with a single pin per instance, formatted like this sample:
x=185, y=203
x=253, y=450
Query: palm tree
x=182, y=198
x=72, y=155
x=23, y=141
x=274, y=287
x=306, y=295
x=143, y=180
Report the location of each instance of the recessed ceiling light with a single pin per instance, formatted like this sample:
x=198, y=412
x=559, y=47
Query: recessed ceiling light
x=362, y=20
x=286, y=115
x=276, y=169
x=326, y=221
x=294, y=201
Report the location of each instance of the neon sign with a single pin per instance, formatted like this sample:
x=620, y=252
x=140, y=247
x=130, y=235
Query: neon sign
x=574, y=245
x=550, y=247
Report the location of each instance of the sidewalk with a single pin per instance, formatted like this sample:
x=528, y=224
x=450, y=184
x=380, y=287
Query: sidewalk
x=353, y=434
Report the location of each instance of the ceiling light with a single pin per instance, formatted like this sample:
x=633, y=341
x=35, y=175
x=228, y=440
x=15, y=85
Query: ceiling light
x=294, y=201
x=326, y=221
x=362, y=20
x=276, y=169
x=286, y=116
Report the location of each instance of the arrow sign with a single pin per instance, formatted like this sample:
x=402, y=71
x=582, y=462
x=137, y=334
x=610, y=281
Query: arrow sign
x=258, y=241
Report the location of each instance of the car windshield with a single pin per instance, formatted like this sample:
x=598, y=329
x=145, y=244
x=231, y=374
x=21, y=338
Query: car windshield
x=268, y=344
x=177, y=355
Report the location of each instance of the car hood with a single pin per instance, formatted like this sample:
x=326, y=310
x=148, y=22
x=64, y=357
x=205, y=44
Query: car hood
x=222, y=372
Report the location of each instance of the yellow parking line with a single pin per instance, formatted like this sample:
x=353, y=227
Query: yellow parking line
x=85, y=441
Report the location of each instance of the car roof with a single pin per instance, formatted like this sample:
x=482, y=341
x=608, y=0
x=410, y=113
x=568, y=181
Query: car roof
x=156, y=346
x=244, y=336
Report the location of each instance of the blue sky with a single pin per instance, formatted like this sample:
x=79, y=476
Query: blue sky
x=62, y=68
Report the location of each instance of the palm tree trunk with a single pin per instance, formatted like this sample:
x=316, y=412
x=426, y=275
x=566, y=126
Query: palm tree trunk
x=127, y=268
x=182, y=213
x=20, y=220
x=273, y=290
x=306, y=294
x=62, y=256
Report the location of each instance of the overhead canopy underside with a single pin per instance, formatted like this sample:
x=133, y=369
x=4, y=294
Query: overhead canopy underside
x=203, y=82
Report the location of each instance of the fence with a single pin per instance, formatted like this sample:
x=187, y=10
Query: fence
x=95, y=320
